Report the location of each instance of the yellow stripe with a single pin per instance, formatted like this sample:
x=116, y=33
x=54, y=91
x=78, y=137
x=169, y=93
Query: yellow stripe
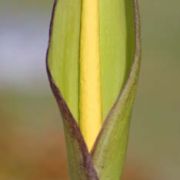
x=90, y=86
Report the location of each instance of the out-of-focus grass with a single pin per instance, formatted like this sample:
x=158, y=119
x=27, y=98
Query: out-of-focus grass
x=31, y=142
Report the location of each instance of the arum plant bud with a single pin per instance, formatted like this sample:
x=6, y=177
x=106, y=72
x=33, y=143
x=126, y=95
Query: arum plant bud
x=93, y=63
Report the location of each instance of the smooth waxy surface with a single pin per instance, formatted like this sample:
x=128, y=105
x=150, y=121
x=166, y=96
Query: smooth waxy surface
x=63, y=54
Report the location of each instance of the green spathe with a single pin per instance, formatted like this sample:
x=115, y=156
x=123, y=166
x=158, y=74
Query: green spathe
x=120, y=61
x=116, y=49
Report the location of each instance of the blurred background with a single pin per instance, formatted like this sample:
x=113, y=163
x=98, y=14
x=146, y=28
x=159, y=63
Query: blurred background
x=31, y=135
